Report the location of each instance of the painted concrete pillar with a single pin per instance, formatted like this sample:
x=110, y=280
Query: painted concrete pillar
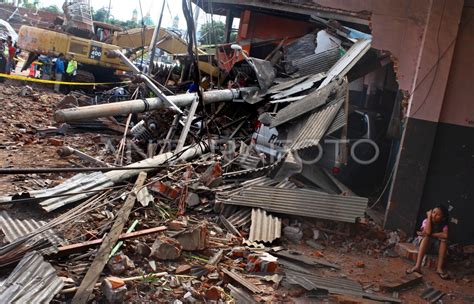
x=426, y=102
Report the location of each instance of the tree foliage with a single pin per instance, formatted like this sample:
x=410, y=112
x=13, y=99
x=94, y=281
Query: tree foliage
x=100, y=14
x=213, y=33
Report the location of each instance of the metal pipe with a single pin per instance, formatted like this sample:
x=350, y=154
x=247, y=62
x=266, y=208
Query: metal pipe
x=147, y=80
x=153, y=43
x=141, y=105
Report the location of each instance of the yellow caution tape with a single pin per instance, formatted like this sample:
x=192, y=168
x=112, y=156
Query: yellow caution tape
x=23, y=78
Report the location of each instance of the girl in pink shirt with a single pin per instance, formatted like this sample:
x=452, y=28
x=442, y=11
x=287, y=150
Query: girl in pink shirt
x=434, y=234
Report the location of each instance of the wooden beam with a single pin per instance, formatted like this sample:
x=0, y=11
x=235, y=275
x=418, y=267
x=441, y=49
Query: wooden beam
x=93, y=274
x=68, y=249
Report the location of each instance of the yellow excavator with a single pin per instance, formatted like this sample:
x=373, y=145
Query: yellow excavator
x=95, y=64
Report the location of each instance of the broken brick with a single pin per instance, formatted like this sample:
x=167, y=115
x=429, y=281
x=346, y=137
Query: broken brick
x=165, y=248
x=194, y=238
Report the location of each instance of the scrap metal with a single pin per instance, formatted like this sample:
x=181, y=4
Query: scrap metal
x=302, y=202
x=102, y=256
x=144, y=105
x=299, y=257
x=346, y=62
x=316, y=126
x=14, y=229
x=338, y=122
x=264, y=227
x=98, y=180
x=32, y=281
x=303, y=86
x=312, y=101
x=316, y=63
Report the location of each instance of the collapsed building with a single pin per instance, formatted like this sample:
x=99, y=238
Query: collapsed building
x=420, y=50
x=326, y=112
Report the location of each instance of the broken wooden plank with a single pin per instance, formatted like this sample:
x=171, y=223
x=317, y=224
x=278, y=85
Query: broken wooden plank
x=405, y=281
x=92, y=275
x=241, y=280
x=68, y=249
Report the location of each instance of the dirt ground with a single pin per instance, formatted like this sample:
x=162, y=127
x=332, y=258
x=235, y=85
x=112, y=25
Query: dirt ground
x=359, y=255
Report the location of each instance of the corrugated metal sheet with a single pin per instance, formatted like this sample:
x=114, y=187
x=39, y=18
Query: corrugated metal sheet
x=240, y=295
x=78, y=183
x=338, y=122
x=15, y=228
x=331, y=284
x=301, y=47
x=249, y=171
x=301, y=202
x=264, y=227
x=346, y=62
x=288, y=83
x=311, y=102
x=306, y=85
x=316, y=63
x=247, y=161
x=286, y=184
x=316, y=126
x=32, y=281
x=240, y=218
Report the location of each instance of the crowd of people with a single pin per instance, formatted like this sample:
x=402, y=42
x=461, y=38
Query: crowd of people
x=8, y=50
x=45, y=67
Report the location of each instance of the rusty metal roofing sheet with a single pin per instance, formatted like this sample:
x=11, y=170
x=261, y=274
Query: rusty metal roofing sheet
x=331, y=284
x=301, y=202
x=316, y=126
x=316, y=63
x=264, y=227
x=311, y=102
x=346, y=62
x=15, y=228
x=32, y=281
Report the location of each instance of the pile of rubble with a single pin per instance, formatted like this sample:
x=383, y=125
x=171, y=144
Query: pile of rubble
x=213, y=210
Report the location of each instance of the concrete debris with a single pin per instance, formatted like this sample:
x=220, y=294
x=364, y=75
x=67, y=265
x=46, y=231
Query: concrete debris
x=192, y=199
x=194, y=238
x=144, y=197
x=114, y=293
x=119, y=264
x=165, y=248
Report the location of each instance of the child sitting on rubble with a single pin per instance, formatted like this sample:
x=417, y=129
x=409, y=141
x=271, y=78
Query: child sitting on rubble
x=434, y=237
